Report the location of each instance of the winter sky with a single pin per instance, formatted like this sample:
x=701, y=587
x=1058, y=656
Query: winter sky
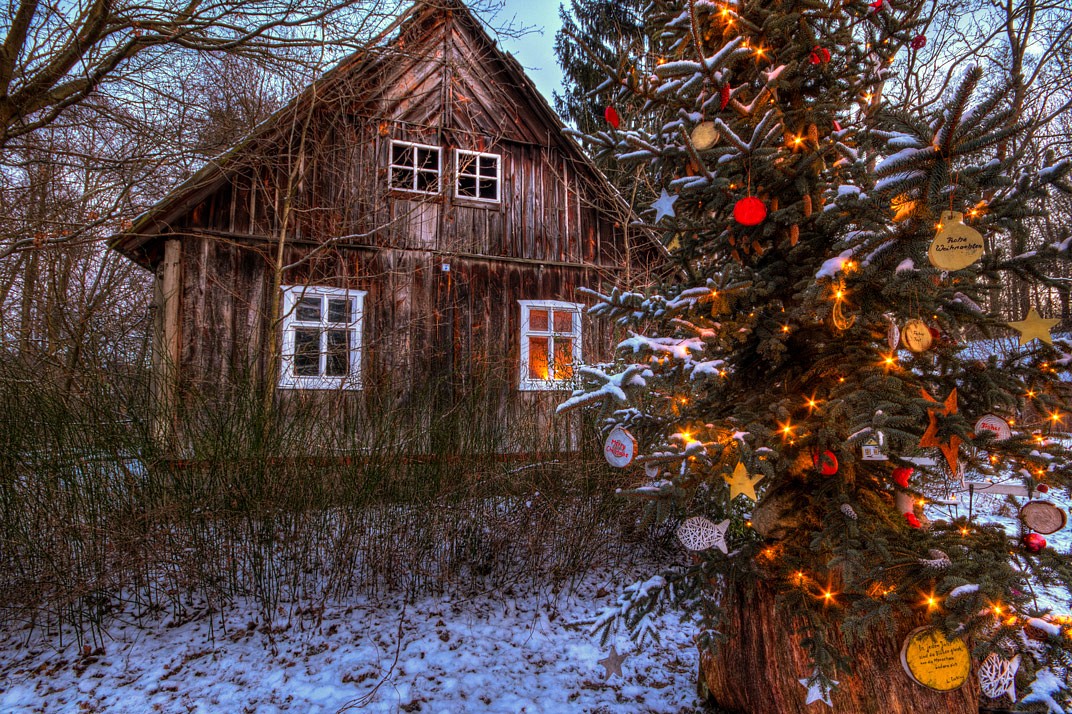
x=535, y=51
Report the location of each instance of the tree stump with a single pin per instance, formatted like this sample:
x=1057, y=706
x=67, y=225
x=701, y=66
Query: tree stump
x=759, y=668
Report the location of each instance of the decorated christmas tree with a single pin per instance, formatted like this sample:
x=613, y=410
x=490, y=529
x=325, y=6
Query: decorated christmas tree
x=827, y=367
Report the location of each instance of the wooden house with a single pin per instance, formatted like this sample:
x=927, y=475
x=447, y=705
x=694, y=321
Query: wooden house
x=415, y=217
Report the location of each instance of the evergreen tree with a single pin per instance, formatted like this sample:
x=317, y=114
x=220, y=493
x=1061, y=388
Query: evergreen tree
x=831, y=301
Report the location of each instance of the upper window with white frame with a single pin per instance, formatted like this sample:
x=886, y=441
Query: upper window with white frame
x=550, y=343
x=477, y=176
x=415, y=167
x=321, y=337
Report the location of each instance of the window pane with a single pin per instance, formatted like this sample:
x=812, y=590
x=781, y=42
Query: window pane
x=467, y=186
x=308, y=309
x=563, y=367
x=564, y=321
x=306, y=352
x=467, y=165
x=402, y=178
x=487, y=189
x=538, y=358
x=338, y=310
x=338, y=354
x=489, y=166
x=427, y=181
x=401, y=154
x=428, y=159
x=538, y=320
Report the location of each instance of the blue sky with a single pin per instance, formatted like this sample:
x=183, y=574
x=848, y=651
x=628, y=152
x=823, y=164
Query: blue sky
x=535, y=51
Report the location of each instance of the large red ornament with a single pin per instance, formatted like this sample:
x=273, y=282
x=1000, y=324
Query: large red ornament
x=749, y=211
x=919, y=42
x=1042, y=488
x=1033, y=542
x=611, y=115
x=826, y=462
x=901, y=474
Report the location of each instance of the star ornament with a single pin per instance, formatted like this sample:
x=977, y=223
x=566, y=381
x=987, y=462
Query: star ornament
x=1034, y=326
x=950, y=449
x=612, y=663
x=816, y=691
x=741, y=483
x=664, y=206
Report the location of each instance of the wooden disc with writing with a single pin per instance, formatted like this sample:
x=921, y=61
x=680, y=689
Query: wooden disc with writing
x=934, y=661
x=704, y=136
x=1043, y=517
x=916, y=336
x=956, y=245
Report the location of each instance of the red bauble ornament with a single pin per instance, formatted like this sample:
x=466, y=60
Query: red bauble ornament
x=901, y=474
x=611, y=115
x=912, y=520
x=813, y=58
x=877, y=5
x=936, y=334
x=826, y=462
x=919, y=42
x=749, y=211
x=1042, y=488
x=825, y=54
x=724, y=96
x=837, y=126
x=1033, y=542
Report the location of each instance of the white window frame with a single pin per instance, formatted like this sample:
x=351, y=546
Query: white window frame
x=413, y=167
x=291, y=295
x=527, y=383
x=477, y=155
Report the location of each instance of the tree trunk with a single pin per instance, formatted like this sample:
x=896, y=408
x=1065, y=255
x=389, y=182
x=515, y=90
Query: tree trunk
x=759, y=668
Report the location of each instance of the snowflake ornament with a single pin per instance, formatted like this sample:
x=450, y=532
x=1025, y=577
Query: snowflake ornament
x=698, y=533
x=997, y=676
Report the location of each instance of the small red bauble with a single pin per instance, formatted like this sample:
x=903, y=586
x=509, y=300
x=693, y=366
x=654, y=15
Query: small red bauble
x=912, y=520
x=1042, y=488
x=724, y=96
x=611, y=115
x=936, y=334
x=901, y=474
x=1033, y=542
x=919, y=42
x=826, y=462
x=814, y=58
x=837, y=125
x=749, y=211
x=825, y=54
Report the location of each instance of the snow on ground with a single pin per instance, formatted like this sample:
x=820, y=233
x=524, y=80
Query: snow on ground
x=506, y=652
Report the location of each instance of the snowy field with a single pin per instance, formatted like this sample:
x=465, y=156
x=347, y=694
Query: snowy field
x=506, y=652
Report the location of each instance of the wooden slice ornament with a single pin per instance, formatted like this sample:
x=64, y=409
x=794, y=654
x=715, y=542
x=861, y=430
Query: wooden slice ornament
x=993, y=424
x=1043, y=517
x=956, y=246
x=916, y=336
x=893, y=335
x=705, y=135
x=934, y=661
x=620, y=448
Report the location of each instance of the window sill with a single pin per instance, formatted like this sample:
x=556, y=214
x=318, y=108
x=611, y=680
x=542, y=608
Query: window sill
x=322, y=384
x=548, y=386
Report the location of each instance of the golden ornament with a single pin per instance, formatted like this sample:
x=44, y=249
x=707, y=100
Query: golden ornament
x=956, y=245
x=741, y=483
x=1034, y=326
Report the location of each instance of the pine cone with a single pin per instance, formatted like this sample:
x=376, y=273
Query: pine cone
x=849, y=512
x=938, y=560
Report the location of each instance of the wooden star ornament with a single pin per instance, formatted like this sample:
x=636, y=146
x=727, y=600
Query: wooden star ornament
x=1034, y=326
x=951, y=448
x=741, y=483
x=612, y=663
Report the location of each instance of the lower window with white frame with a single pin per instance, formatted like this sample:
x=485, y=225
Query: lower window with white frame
x=550, y=343
x=321, y=337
